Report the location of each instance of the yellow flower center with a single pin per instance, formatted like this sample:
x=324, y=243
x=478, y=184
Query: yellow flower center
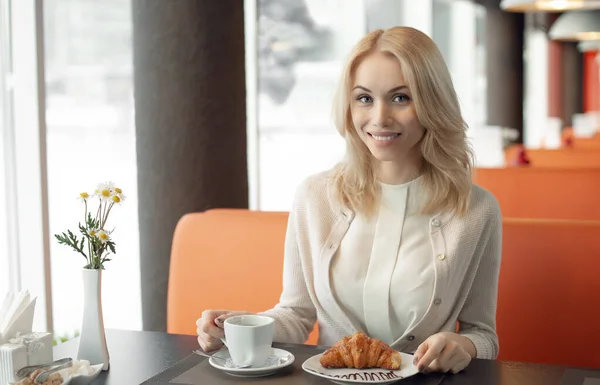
x=118, y=190
x=105, y=193
x=103, y=236
x=84, y=195
x=92, y=233
x=116, y=199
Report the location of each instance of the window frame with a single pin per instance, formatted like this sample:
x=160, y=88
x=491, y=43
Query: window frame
x=24, y=155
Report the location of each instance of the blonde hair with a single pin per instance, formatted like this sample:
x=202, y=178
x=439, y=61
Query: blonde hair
x=447, y=156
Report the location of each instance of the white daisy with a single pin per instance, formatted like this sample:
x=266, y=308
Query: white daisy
x=104, y=191
x=84, y=196
x=117, y=195
x=103, y=236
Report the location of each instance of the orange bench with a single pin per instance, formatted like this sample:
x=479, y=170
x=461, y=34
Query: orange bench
x=563, y=157
x=549, y=290
x=589, y=143
x=578, y=142
x=533, y=192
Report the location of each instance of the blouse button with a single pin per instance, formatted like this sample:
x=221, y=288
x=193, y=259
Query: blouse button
x=437, y=301
x=435, y=223
x=410, y=338
x=441, y=257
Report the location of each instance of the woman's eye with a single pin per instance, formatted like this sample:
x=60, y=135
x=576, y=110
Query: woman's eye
x=401, y=98
x=364, y=99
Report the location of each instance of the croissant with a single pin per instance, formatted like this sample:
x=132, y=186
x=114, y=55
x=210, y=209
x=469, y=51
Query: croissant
x=361, y=352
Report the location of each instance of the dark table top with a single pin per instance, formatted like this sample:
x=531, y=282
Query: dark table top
x=137, y=356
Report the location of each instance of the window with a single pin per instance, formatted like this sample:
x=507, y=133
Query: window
x=5, y=268
x=301, y=48
x=91, y=139
x=22, y=176
x=456, y=23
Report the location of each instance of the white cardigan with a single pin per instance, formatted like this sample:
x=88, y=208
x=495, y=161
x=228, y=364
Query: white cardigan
x=468, y=250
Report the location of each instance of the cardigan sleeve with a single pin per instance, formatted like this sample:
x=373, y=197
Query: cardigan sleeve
x=294, y=314
x=477, y=318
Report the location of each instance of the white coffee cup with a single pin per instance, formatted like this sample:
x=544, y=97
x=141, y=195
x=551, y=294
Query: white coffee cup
x=249, y=338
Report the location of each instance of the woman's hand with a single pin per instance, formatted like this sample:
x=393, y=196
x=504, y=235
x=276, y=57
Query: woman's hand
x=210, y=328
x=445, y=352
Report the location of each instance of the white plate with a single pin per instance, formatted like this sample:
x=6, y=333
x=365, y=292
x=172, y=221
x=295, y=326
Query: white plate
x=80, y=379
x=279, y=360
x=361, y=376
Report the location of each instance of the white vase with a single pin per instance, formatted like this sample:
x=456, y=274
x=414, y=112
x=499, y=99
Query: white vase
x=92, y=341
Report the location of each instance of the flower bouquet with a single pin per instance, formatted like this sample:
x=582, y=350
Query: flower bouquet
x=94, y=242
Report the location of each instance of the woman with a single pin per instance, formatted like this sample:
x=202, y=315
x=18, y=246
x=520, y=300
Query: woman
x=395, y=241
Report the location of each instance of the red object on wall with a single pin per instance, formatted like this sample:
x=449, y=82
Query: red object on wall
x=521, y=158
x=591, y=82
x=567, y=137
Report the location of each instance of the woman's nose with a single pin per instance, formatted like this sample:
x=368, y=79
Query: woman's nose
x=381, y=115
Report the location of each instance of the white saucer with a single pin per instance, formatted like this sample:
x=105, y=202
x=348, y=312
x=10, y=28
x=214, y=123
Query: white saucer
x=361, y=376
x=279, y=360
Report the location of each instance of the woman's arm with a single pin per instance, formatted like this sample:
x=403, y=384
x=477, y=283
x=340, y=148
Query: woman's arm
x=477, y=319
x=295, y=314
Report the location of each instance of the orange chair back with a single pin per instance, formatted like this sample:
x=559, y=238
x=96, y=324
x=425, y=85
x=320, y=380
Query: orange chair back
x=532, y=192
x=225, y=259
x=549, y=292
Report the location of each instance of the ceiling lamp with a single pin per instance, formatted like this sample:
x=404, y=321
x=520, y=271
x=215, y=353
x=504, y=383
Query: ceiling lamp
x=576, y=26
x=548, y=5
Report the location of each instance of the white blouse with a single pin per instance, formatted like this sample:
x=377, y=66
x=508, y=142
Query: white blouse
x=383, y=273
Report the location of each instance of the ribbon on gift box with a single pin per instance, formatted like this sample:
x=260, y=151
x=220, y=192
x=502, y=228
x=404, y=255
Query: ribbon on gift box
x=31, y=341
x=38, y=347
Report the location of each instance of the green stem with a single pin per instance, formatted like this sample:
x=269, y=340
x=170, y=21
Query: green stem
x=91, y=249
x=82, y=253
x=104, y=215
x=99, y=209
x=107, y=212
x=98, y=258
x=97, y=250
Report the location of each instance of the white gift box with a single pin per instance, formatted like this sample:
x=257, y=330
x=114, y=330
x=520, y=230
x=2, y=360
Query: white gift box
x=12, y=358
x=24, y=350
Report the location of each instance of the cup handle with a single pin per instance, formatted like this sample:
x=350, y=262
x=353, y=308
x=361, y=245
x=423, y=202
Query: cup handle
x=223, y=340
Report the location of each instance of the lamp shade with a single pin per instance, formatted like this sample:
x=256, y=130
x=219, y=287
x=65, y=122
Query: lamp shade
x=576, y=26
x=548, y=5
x=589, y=45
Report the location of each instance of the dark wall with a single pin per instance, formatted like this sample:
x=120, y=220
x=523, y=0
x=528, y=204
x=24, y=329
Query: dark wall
x=504, y=61
x=571, y=82
x=190, y=103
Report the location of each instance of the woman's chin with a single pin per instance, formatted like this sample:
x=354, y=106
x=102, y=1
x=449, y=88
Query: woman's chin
x=387, y=155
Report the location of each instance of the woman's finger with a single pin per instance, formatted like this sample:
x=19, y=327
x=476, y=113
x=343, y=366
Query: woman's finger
x=462, y=362
x=208, y=343
x=434, y=347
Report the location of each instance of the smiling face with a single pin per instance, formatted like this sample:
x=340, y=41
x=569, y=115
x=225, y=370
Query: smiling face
x=383, y=112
